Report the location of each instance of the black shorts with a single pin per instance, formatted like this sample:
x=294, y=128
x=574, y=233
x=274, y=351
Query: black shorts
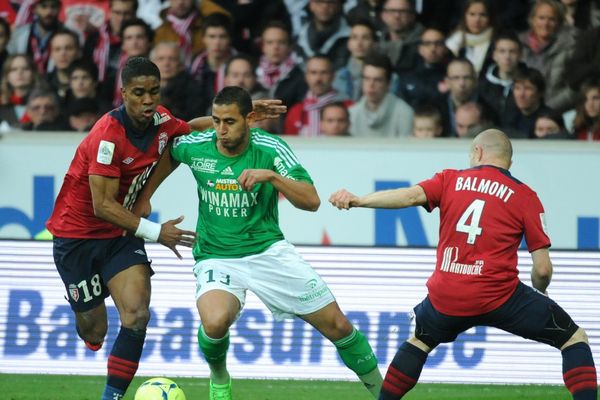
x=86, y=265
x=527, y=313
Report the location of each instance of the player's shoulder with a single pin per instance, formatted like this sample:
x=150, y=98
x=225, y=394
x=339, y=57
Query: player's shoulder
x=109, y=127
x=194, y=137
x=266, y=140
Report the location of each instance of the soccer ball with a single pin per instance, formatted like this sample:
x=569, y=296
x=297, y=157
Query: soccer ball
x=159, y=389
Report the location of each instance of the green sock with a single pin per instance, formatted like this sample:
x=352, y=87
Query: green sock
x=358, y=355
x=215, y=353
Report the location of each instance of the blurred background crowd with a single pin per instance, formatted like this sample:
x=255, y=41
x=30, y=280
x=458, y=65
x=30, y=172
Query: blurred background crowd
x=370, y=68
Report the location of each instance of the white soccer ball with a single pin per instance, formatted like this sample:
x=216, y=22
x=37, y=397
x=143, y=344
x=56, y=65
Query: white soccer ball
x=159, y=389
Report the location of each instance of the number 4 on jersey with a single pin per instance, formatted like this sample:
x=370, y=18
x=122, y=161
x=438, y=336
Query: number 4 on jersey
x=473, y=229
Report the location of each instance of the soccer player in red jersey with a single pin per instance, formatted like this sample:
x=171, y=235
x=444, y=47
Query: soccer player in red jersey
x=484, y=213
x=92, y=255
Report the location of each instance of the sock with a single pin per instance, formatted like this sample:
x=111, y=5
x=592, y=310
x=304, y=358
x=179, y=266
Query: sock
x=215, y=353
x=358, y=355
x=579, y=372
x=403, y=373
x=123, y=362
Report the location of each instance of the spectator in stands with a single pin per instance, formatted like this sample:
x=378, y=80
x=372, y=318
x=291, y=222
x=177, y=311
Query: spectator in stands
x=64, y=49
x=587, y=118
x=136, y=40
x=361, y=42
x=33, y=38
x=421, y=85
x=528, y=92
x=371, y=10
x=304, y=118
x=379, y=113
x=19, y=78
x=335, y=120
x=461, y=81
x=178, y=90
x=103, y=45
x=209, y=66
x=427, y=123
x=473, y=36
x=550, y=125
x=83, y=83
x=43, y=112
x=582, y=14
x=182, y=23
x=241, y=71
x=325, y=33
x=250, y=18
x=470, y=120
x=83, y=114
x=402, y=33
x=585, y=62
x=496, y=86
x=548, y=44
x=278, y=70
x=4, y=38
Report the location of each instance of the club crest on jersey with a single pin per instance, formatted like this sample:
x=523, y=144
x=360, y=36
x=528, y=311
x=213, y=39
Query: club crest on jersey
x=73, y=292
x=161, y=118
x=163, y=138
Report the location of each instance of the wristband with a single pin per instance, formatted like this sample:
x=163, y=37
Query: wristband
x=148, y=230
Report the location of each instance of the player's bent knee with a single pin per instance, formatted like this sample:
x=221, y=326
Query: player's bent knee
x=216, y=326
x=136, y=319
x=580, y=336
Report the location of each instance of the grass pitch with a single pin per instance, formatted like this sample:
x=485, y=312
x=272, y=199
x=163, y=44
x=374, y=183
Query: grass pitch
x=75, y=387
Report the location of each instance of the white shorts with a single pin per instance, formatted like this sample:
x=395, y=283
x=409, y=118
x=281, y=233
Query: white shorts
x=279, y=277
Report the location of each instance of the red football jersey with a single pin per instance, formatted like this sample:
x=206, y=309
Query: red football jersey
x=113, y=148
x=484, y=213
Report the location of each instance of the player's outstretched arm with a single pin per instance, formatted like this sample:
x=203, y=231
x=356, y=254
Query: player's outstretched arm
x=541, y=271
x=302, y=195
x=263, y=109
x=395, y=198
x=104, y=198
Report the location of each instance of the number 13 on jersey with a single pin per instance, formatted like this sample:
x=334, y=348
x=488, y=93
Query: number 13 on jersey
x=472, y=229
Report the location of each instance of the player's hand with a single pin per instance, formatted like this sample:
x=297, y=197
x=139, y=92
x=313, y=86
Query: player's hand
x=171, y=236
x=268, y=109
x=142, y=208
x=343, y=199
x=250, y=177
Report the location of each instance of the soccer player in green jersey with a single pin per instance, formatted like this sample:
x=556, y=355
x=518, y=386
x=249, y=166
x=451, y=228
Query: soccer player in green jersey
x=239, y=172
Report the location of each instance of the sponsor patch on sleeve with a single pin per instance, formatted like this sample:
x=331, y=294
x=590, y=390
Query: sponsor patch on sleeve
x=106, y=151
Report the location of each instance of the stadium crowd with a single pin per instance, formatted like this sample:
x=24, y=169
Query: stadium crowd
x=370, y=68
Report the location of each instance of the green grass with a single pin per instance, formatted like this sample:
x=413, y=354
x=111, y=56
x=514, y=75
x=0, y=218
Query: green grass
x=75, y=387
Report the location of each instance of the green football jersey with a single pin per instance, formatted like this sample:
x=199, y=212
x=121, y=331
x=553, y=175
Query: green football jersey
x=232, y=222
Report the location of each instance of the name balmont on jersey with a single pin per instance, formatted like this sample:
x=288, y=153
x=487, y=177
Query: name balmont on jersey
x=226, y=199
x=487, y=186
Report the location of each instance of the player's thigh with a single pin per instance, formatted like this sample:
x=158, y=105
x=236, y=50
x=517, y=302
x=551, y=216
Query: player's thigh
x=79, y=264
x=93, y=320
x=130, y=289
x=221, y=286
x=286, y=283
x=532, y=315
x=432, y=327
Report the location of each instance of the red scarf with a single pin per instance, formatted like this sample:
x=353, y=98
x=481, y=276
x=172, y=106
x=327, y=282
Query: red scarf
x=535, y=44
x=16, y=100
x=40, y=56
x=201, y=60
x=182, y=27
x=311, y=115
x=270, y=74
x=102, y=50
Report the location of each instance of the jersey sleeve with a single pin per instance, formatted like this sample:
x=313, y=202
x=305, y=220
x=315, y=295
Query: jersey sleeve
x=536, y=231
x=178, y=127
x=180, y=144
x=433, y=188
x=104, y=151
x=286, y=164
